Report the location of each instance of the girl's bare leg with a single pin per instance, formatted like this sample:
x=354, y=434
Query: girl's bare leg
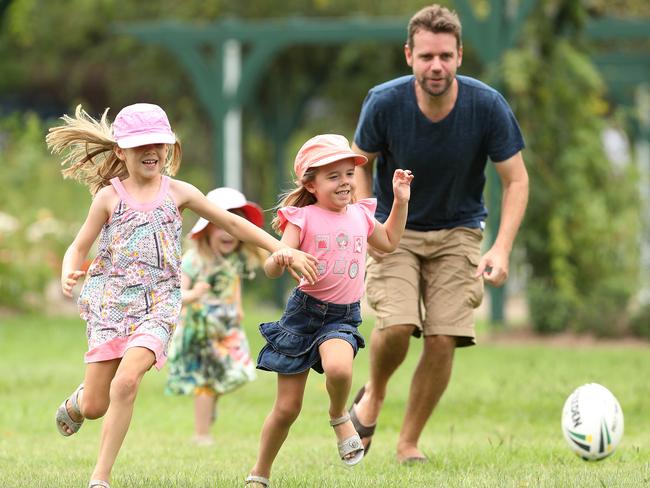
x=93, y=400
x=123, y=390
x=337, y=356
x=288, y=403
x=204, y=405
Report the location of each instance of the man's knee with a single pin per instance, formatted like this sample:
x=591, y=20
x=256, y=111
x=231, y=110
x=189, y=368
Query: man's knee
x=396, y=333
x=441, y=346
x=390, y=345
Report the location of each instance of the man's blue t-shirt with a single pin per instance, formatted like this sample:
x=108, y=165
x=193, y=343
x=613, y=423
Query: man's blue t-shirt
x=447, y=158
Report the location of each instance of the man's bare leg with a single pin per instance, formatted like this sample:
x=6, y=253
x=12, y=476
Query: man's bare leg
x=429, y=382
x=388, y=348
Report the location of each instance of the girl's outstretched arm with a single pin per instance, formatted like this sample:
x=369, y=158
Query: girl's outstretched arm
x=386, y=236
x=73, y=259
x=187, y=196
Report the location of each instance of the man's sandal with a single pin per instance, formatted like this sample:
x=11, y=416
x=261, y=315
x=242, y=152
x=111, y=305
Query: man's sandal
x=365, y=431
x=257, y=479
x=102, y=483
x=62, y=414
x=350, y=445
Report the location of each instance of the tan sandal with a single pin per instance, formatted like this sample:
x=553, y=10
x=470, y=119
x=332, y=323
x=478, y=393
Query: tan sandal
x=365, y=431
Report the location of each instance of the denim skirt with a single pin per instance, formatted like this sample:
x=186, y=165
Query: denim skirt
x=292, y=342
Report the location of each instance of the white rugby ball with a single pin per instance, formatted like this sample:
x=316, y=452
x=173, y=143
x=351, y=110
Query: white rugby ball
x=592, y=422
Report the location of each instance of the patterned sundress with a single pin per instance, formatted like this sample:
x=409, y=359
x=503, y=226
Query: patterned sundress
x=131, y=296
x=210, y=349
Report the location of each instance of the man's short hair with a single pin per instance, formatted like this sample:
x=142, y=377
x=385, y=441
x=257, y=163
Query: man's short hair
x=436, y=19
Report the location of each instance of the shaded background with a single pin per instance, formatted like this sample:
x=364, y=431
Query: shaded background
x=578, y=85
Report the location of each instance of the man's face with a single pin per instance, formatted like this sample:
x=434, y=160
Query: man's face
x=435, y=58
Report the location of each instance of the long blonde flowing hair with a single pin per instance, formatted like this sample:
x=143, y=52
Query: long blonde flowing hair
x=88, y=147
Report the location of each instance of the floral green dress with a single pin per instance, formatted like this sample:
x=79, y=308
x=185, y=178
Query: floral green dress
x=210, y=349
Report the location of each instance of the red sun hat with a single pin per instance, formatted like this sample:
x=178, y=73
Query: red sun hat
x=231, y=199
x=324, y=149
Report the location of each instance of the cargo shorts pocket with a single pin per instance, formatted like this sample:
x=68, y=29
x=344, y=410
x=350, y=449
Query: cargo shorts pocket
x=471, y=243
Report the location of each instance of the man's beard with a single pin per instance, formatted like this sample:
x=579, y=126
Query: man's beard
x=447, y=82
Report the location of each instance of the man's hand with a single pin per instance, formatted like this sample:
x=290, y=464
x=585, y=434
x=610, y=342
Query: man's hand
x=493, y=266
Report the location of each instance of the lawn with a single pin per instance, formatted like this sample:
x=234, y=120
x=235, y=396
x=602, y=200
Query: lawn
x=498, y=425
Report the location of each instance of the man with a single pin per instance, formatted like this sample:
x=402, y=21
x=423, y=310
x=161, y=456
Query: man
x=444, y=127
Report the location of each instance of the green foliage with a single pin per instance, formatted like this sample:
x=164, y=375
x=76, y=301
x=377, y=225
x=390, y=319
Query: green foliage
x=581, y=227
x=41, y=213
x=640, y=323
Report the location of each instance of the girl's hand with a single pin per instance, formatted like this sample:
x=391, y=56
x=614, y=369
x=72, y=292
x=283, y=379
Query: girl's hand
x=68, y=280
x=283, y=257
x=303, y=265
x=402, y=184
x=200, y=288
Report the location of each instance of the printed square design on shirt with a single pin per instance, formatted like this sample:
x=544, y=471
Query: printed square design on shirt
x=339, y=266
x=322, y=242
x=321, y=267
x=342, y=240
x=357, y=244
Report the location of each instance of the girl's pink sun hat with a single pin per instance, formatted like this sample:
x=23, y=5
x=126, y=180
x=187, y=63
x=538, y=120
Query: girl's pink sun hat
x=324, y=149
x=141, y=124
x=231, y=199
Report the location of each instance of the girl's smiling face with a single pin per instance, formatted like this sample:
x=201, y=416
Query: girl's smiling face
x=333, y=185
x=144, y=161
x=220, y=241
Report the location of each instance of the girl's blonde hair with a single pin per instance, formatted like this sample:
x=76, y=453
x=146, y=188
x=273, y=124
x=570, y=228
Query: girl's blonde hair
x=253, y=255
x=298, y=197
x=89, y=149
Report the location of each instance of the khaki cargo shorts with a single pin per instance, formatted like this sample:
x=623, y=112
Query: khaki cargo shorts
x=428, y=282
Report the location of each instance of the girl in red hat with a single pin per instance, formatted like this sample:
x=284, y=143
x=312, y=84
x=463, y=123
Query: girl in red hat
x=209, y=354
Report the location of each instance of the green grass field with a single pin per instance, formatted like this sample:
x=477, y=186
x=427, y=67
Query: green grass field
x=498, y=425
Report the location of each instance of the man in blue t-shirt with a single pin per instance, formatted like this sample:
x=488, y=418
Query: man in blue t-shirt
x=443, y=127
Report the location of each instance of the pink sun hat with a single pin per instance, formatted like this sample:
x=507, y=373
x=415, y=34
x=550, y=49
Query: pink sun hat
x=324, y=149
x=231, y=199
x=141, y=124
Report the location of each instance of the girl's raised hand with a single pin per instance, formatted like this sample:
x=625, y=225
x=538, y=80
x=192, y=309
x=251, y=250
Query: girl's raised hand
x=68, y=280
x=402, y=184
x=303, y=265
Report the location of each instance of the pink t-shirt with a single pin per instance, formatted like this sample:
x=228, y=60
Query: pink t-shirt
x=339, y=242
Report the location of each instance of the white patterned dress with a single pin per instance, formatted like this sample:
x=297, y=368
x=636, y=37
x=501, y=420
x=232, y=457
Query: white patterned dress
x=132, y=296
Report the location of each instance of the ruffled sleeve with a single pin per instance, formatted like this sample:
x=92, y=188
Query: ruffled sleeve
x=295, y=215
x=368, y=207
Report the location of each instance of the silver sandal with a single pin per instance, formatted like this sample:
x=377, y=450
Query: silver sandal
x=62, y=414
x=102, y=483
x=257, y=479
x=350, y=445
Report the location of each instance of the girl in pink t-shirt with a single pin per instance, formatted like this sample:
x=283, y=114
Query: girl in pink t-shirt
x=319, y=327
